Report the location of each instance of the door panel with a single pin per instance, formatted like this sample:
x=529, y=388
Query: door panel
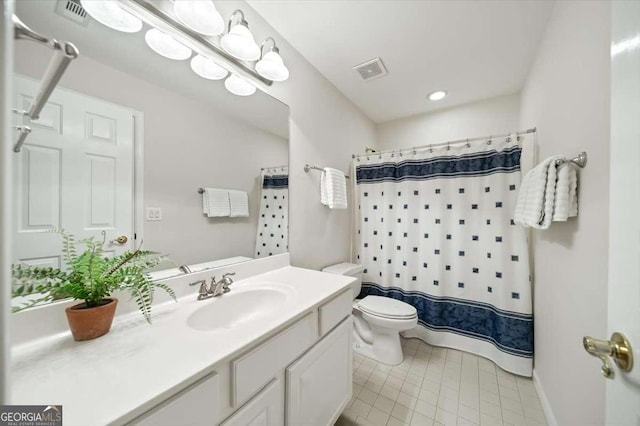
x=75, y=172
x=623, y=391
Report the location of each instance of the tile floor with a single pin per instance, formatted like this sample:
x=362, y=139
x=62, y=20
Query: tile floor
x=439, y=386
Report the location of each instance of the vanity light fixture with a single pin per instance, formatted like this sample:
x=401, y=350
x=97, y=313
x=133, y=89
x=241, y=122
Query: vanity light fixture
x=437, y=95
x=109, y=13
x=270, y=64
x=238, y=41
x=165, y=45
x=239, y=86
x=207, y=68
x=199, y=15
x=180, y=27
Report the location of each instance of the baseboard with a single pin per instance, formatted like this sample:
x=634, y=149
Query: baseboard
x=546, y=407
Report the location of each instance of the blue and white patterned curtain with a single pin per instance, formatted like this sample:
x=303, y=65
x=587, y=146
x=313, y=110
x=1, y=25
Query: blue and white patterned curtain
x=272, y=236
x=436, y=230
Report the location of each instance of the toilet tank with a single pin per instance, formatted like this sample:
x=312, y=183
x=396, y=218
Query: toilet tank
x=350, y=270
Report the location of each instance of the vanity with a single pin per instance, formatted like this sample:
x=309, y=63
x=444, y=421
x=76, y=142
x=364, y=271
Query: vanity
x=274, y=350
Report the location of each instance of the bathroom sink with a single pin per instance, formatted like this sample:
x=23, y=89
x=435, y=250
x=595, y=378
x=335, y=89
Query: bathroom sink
x=238, y=307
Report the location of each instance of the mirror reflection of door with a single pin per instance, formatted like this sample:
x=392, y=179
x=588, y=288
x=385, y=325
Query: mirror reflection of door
x=74, y=172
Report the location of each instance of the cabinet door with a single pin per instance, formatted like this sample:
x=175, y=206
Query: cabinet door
x=319, y=383
x=195, y=406
x=265, y=409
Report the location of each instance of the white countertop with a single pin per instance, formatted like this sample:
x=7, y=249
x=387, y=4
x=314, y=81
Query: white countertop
x=117, y=377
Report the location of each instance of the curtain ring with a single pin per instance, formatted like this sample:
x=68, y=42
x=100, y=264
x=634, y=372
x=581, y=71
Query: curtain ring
x=448, y=146
x=489, y=141
x=393, y=154
x=414, y=150
x=431, y=149
x=468, y=144
x=400, y=153
x=518, y=138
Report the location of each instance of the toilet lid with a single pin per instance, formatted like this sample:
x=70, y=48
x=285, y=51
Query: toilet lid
x=387, y=307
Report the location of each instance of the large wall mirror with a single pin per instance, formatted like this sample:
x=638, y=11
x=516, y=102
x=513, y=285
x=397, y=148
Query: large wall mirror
x=125, y=143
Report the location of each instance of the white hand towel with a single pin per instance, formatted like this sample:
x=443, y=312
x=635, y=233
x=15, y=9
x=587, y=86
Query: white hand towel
x=333, y=189
x=536, y=197
x=215, y=202
x=566, y=199
x=239, y=201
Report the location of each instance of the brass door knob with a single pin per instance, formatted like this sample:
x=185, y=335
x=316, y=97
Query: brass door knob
x=122, y=239
x=617, y=348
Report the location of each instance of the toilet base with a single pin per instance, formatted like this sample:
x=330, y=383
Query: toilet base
x=386, y=347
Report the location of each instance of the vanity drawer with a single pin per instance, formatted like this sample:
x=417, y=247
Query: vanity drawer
x=335, y=310
x=251, y=371
x=193, y=406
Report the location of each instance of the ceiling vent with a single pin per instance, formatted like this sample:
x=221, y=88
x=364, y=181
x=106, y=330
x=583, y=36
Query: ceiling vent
x=73, y=10
x=371, y=70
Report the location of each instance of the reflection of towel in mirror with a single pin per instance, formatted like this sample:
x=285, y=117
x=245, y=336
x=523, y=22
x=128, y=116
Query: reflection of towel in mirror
x=239, y=201
x=333, y=189
x=215, y=202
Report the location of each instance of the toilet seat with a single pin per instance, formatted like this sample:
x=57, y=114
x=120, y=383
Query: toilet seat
x=386, y=307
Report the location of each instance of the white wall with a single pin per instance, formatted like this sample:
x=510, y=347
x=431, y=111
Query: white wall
x=493, y=116
x=326, y=128
x=188, y=144
x=566, y=96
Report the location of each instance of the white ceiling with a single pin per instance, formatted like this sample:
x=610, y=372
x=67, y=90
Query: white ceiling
x=473, y=49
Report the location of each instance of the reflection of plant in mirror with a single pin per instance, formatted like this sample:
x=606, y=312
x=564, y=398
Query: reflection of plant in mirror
x=91, y=276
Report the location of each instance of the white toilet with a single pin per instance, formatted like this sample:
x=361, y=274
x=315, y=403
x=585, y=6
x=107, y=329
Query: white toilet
x=377, y=321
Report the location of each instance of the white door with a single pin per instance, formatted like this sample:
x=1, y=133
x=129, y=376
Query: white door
x=75, y=172
x=623, y=391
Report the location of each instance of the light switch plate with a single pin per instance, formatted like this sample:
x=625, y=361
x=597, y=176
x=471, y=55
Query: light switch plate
x=154, y=213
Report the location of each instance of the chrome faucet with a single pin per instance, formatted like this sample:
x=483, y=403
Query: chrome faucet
x=216, y=288
x=222, y=286
x=203, y=293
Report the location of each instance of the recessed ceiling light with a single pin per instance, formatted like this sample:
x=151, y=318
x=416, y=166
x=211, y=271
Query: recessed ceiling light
x=437, y=95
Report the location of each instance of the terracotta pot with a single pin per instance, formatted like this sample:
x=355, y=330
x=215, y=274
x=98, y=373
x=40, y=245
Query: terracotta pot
x=89, y=323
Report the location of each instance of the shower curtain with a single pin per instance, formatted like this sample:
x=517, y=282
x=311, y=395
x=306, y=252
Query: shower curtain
x=436, y=230
x=272, y=236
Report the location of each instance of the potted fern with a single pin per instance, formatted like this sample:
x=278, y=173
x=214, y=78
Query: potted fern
x=90, y=277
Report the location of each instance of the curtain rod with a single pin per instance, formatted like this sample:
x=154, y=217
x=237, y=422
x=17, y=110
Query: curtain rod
x=433, y=145
x=273, y=167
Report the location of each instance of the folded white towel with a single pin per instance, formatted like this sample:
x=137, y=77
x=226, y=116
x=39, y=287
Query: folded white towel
x=333, y=189
x=239, y=201
x=215, y=202
x=548, y=192
x=534, y=207
x=566, y=195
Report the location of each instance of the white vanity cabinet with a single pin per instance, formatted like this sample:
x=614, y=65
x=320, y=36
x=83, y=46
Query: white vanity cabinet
x=299, y=376
x=319, y=383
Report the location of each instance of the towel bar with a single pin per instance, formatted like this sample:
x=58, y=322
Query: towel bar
x=580, y=160
x=308, y=167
